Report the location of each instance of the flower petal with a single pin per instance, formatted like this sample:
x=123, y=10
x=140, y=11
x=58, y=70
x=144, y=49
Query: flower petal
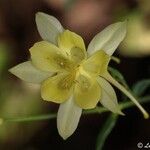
x=87, y=92
x=48, y=57
x=73, y=45
x=127, y=93
x=49, y=27
x=97, y=63
x=109, y=39
x=27, y=72
x=57, y=88
x=108, y=97
x=68, y=117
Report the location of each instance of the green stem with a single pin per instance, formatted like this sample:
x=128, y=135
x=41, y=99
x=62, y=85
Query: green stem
x=127, y=93
x=98, y=110
x=123, y=105
x=106, y=130
x=31, y=118
x=116, y=59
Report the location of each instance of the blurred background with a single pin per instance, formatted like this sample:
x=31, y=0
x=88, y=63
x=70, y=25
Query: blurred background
x=18, y=33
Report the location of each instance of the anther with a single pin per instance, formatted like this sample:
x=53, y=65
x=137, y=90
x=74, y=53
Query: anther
x=61, y=63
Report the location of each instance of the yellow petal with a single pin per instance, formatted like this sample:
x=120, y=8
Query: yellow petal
x=72, y=45
x=97, y=63
x=48, y=57
x=57, y=88
x=87, y=92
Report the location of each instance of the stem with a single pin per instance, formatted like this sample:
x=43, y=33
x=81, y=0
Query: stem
x=31, y=118
x=106, y=130
x=116, y=59
x=99, y=110
x=127, y=93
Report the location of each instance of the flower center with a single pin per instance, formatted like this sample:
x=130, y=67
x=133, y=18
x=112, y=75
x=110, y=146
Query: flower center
x=64, y=63
x=67, y=82
x=84, y=82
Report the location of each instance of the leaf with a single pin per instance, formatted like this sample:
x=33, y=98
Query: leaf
x=118, y=76
x=140, y=87
x=106, y=130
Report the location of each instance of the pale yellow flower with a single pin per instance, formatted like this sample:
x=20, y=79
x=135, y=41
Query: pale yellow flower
x=71, y=76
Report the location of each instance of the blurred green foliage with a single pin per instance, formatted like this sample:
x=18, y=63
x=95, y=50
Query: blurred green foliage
x=16, y=99
x=141, y=87
x=106, y=130
x=4, y=56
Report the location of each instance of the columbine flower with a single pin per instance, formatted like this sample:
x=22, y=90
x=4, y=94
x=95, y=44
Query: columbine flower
x=71, y=76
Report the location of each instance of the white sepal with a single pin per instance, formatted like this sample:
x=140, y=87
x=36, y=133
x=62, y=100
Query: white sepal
x=48, y=26
x=109, y=98
x=68, y=117
x=27, y=72
x=108, y=39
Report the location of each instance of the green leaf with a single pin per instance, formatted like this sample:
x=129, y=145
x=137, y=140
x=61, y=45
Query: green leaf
x=106, y=130
x=118, y=76
x=140, y=87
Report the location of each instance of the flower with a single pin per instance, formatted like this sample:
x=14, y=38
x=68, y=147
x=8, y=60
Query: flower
x=71, y=76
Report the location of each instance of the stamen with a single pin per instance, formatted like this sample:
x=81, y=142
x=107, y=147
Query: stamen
x=61, y=63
